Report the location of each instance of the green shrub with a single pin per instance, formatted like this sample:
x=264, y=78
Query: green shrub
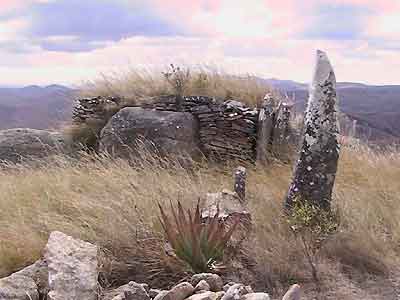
x=200, y=243
x=313, y=226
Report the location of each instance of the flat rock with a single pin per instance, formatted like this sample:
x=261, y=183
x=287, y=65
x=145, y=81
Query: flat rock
x=19, y=144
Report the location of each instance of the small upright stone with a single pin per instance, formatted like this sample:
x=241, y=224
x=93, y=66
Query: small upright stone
x=240, y=183
x=315, y=171
x=265, y=125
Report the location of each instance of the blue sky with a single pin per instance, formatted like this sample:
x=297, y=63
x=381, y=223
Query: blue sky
x=66, y=41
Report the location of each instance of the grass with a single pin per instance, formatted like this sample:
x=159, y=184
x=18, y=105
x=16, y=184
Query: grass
x=113, y=204
x=138, y=86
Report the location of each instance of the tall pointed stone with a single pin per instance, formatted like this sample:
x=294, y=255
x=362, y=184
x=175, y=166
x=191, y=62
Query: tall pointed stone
x=315, y=171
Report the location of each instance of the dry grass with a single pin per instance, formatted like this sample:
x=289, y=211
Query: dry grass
x=138, y=86
x=113, y=204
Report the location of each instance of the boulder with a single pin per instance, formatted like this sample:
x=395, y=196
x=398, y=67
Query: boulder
x=179, y=292
x=18, y=287
x=73, y=270
x=315, y=170
x=24, y=143
x=136, y=291
x=213, y=280
x=161, y=131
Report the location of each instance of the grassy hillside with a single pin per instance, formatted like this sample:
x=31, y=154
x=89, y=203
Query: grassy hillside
x=113, y=204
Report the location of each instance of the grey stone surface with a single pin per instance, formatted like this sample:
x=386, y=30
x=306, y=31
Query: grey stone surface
x=294, y=293
x=18, y=287
x=202, y=286
x=315, y=170
x=72, y=266
x=240, y=183
x=39, y=273
x=164, y=132
x=21, y=144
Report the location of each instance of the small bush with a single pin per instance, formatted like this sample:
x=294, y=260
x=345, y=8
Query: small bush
x=199, y=243
x=313, y=226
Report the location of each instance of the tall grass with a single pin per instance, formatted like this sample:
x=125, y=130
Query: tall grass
x=138, y=86
x=114, y=204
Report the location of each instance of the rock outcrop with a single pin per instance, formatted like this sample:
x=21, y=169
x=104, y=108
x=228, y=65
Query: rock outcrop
x=315, y=171
x=72, y=266
x=21, y=144
x=167, y=133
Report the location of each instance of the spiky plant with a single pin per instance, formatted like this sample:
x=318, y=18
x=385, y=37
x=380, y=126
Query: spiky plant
x=200, y=243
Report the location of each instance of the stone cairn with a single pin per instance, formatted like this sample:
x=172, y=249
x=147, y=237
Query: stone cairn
x=227, y=130
x=315, y=171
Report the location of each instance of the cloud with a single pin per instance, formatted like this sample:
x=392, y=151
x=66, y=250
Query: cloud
x=337, y=22
x=93, y=23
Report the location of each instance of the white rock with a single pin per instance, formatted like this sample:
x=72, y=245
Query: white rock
x=72, y=268
x=293, y=293
x=256, y=296
x=207, y=295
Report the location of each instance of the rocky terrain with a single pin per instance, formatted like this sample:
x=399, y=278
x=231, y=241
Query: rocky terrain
x=89, y=220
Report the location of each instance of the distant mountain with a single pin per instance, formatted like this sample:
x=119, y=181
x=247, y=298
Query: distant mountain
x=376, y=108
x=35, y=107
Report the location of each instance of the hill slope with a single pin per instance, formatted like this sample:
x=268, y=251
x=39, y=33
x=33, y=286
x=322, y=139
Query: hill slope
x=35, y=107
x=376, y=108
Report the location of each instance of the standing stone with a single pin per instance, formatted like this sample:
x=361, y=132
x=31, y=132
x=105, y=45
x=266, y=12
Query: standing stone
x=281, y=130
x=240, y=183
x=266, y=119
x=315, y=171
x=72, y=268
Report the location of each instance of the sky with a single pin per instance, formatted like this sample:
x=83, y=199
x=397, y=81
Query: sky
x=70, y=41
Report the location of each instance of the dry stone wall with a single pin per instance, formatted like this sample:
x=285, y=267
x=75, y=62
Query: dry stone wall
x=227, y=130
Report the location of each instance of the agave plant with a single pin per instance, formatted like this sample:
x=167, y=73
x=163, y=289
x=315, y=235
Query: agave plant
x=200, y=243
